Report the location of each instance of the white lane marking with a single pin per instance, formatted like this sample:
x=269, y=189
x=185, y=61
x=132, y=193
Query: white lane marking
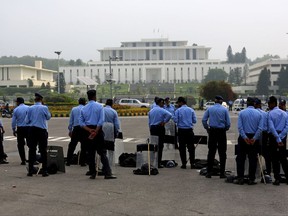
x=57, y=139
x=128, y=139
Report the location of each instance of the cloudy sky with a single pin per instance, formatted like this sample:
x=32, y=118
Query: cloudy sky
x=80, y=27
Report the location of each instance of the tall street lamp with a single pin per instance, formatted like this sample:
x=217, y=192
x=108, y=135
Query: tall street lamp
x=110, y=80
x=58, y=77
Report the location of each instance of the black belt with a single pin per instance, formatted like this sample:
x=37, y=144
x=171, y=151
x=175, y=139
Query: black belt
x=213, y=128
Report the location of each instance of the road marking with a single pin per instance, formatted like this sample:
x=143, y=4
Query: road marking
x=128, y=139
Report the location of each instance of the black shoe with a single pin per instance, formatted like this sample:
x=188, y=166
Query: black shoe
x=88, y=173
x=183, y=167
x=160, y=166
x=239, y=181
x=110, y=177
x=208, y=175
x=276, y=182
x=251, y=182
x=23, y=163
x=93, y=176
x=222, y=176
x=4, y=162
x=45, y=174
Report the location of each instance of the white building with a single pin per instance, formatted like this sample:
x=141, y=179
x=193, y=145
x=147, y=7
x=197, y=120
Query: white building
x=274, y=65
x=19, y=75
x=149, y=60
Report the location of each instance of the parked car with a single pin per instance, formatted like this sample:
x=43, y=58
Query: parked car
x=133, y=103
x=239, y=104
x=208, y=104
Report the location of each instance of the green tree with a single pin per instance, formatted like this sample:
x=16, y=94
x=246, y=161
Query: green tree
x=282, y=81
x=229, y=55
x=215, y=74
x=235, y=76
x=212, y=88
x=62, y=83
x=79, y=62
x=264, y=57
x=243, y=55
x=263, y=83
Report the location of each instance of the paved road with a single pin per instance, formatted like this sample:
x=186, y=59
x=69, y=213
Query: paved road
x=173, y=192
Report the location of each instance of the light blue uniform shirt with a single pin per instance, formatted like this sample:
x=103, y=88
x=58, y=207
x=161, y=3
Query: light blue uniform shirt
x=218, y=117
x=250, y=121
x=158, y=115
x=265, y=119
x=19, y=115
x=185, y=117
x=74, y=117
x=38, y=115
x=111, y=116
x=92, y=114
x=170, y=108
x=153, y=105
x=278, y=122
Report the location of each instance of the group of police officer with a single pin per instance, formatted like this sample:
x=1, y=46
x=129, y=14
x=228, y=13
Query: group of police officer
x=260, y=132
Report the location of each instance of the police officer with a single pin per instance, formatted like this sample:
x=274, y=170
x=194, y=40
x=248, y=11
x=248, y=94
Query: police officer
x=219, y=123
x=265, y=151
x=37, y=117
x=282, y=105
x=91, y=120
x=185, y=118
x=278, y=127
x=168, y=106
x=158, y=117
x=250, y=124
x=76, y=133
x=154, y=104
x=111, y=116
x=20, y=128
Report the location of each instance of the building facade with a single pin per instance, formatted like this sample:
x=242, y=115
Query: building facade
x=273, y=65
x=149, y=60
x=19, y=75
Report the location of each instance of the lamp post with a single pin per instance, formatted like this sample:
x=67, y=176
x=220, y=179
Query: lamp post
x=58, y=77
x=110, y=80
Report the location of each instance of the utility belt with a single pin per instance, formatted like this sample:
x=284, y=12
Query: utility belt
x=217, y=129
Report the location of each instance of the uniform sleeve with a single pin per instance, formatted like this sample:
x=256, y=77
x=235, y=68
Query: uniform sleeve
x=272, y=128
x=283, y=133
x=205, y=119
x=116, y=121
x=47, y=113
x=101, y=117
x=71, y=120
x=176, y=116
x=194, y=118
x=259, y=129
x=240, y=127
x=13, y=123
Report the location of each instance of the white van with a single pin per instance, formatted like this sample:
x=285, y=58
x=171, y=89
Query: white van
x=239, y=104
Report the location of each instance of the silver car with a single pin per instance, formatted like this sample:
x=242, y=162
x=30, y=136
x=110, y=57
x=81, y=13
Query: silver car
x=133, y=103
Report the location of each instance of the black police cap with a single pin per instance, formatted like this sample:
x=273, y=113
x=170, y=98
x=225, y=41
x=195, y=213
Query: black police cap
x=218, y=97
x=257, y=101
x=181, y=100
x=38, y=95
x=19, y=100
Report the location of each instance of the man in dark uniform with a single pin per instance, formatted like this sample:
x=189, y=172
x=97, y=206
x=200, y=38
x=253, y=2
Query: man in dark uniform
x=250, y=125
x=76, y=133
x=219, y=123
x=158, y=117
x=91, y=120
x=278, y=127
x=185, y=118
x=36, y=118
x=20, y=128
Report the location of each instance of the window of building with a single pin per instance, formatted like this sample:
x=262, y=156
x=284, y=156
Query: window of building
x=154, y=44
x=187, y=54
x=160, y=54
x=114, y=53
x=84, y=73
x=174, y=43
x=147, y=44
x=194, y=54
x=8, y=78
x=133, y=44
x=147, y=54
x=91, y=74
x=160, y=43
x=154, y=51
x=2, y=73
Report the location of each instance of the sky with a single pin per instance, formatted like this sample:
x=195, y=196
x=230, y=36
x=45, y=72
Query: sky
x=79, y=28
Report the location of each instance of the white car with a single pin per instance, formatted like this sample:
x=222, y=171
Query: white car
x=133, y=103
x=208, y=104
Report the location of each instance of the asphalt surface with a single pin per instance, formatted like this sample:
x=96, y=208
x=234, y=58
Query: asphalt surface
x=173, y=191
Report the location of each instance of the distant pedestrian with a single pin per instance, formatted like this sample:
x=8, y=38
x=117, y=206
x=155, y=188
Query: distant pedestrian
x=216, y=121
x=91, y=120
x=250, y=125
x=76, y=133
x=20, y=127
x=157, y=118
x=37, y=117
x=278, y=127
x=185, y=118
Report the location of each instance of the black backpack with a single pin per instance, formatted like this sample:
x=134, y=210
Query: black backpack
x=127, y=160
